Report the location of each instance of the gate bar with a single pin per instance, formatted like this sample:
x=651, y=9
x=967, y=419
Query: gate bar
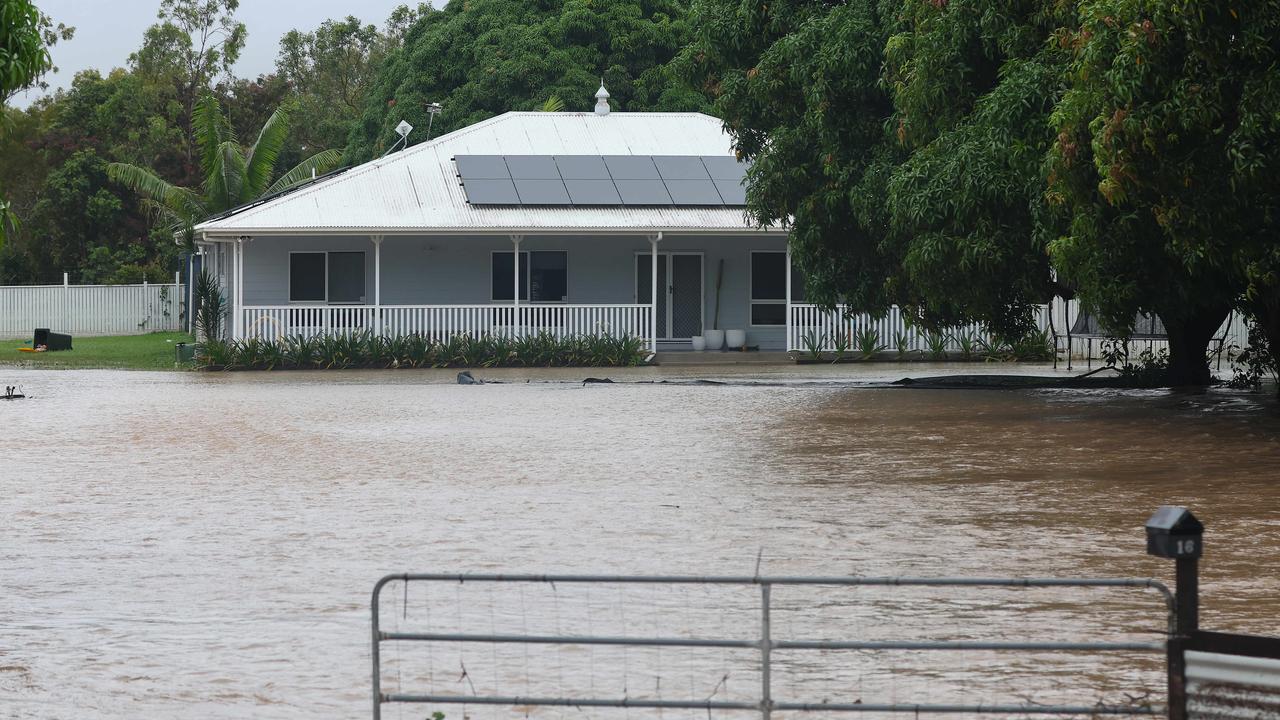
x=807, y=707
x=777, y=644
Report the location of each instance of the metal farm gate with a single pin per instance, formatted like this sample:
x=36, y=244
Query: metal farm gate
x=764, y=641
x=1157, y=662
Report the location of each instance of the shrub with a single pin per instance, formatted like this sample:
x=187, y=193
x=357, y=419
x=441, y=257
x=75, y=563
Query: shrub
x=366, y=350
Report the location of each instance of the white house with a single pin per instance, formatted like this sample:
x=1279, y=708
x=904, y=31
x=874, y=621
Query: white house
x=607, y=211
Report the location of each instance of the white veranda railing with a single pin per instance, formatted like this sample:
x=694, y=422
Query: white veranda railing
x=440, y=322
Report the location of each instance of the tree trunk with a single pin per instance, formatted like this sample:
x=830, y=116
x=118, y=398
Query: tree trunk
x=1189, y=336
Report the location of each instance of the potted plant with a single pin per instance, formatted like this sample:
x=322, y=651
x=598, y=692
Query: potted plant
x=735, y=339
x=714, y=338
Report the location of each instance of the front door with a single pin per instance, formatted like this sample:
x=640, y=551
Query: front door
x=679, y=292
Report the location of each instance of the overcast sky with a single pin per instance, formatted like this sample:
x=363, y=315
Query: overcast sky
x=108, y=30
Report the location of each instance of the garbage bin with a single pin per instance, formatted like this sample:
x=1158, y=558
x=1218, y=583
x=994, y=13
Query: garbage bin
x=186, y=352
x=51, y=340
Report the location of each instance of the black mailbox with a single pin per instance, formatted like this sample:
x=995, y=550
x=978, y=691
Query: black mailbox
x=51, y=340
x=1173, y=532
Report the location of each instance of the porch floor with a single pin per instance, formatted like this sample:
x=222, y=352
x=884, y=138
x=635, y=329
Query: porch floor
x=688, y=358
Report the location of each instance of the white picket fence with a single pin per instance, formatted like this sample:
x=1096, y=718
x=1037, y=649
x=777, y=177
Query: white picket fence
x=90, y=309
x=816, y=329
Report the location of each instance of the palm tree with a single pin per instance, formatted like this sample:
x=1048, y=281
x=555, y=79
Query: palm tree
x=233, y=175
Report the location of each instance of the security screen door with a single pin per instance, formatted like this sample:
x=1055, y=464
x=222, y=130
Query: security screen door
x=679, y=292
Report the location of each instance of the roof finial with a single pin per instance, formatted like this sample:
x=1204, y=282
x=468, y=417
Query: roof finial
x=602, y=99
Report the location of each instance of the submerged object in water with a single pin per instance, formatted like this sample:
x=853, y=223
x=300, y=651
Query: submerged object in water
x=12, y=392
x=465, y=378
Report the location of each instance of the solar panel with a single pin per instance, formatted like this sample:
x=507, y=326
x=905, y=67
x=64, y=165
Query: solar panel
x=593, y=192
x=642, y=192
x=733, y=192
x=542, y=192
x=631, y=167
x=693, y=192
x=582, y=167
x=723, y=167
x=681, y=167
x=603, y=180
x=485, y=191
x=537, y=167
x=481, y=166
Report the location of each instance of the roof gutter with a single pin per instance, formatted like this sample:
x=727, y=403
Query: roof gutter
x=231, y=235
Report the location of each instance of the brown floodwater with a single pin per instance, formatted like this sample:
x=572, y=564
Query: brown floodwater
x=203, y=546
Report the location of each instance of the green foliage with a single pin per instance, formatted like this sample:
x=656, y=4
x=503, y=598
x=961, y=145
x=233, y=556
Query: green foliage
x=936, y=343
x=25, y=37
x=1165, y=160
x=902, y=342
x=941, y=155
x=814, y=342
x=211, y=306
x=1034, y=346
x=841, y=342
x=331, y=68
x=25, y=34
x=1149, y=370
x=868, y=339
x=232, y=174
x=940, y=214
x=1255, y=363
x=968, y=344
x=367, y=350
x=798, y=84
x=480, y=58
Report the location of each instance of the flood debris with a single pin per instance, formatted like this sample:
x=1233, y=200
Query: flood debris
x=12, y=392
x=466, y=378
x=597, y=381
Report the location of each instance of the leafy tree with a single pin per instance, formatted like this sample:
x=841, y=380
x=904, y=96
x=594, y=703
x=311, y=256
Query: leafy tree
x=479, y=58
x=192, y=43
x=1167, y=152
x=799, y=86
x=331, y=69
x=973, y=83
x=25, y=37
x=232, y=175
x=26, y=34
x=902, y=142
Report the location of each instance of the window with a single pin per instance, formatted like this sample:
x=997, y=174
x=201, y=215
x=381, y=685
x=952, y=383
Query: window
x=769, y=288
x=544, y=273
x=307, y=277
x=336, y=277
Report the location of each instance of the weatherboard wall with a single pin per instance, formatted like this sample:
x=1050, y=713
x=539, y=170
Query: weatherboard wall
x=456, y=270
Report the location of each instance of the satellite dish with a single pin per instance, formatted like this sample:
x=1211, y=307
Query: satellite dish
x=403, y=129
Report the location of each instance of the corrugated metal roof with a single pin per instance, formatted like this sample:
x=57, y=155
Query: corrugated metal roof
x=417, y=190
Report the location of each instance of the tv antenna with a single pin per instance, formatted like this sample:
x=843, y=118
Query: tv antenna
x=433, y=109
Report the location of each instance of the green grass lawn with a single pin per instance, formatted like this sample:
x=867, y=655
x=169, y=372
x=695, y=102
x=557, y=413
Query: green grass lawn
x=154, y=351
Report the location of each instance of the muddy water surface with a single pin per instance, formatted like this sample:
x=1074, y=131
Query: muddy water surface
x=189, y=546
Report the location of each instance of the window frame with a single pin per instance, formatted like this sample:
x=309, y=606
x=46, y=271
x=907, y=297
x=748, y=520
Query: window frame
x=325, y=301
x=751, y=290
x=528, y=278
x=289, y=280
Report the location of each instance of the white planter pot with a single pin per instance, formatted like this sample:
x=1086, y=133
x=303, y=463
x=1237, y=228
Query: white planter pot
x=714, y=339
x=699, y=343
x=735, y=338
